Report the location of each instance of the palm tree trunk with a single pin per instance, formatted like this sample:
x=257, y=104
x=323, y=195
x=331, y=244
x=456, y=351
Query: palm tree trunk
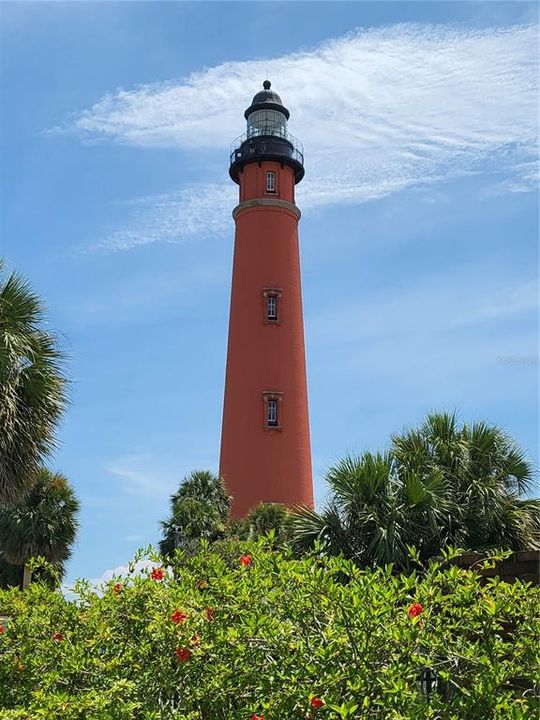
x=27, y=577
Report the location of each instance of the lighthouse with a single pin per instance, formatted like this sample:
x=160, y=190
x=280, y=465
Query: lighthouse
x=265, y=442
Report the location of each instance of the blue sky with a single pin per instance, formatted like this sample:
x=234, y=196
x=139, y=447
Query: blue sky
x=418, y=237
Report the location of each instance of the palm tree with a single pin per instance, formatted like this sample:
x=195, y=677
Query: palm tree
x=374, y=514
x=486, y=475
x=262, y=519
x=199, y=510
x=439, y=484
x=43, y=524
x=32, y=387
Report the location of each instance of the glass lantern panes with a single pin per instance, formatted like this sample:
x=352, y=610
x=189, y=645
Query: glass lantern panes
x=266, y=122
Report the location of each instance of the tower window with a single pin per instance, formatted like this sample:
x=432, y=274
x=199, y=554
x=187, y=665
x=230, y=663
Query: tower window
x=271, y=297
x=270, y=181
x=272, y=410
x=272, y=413
x=271, y=308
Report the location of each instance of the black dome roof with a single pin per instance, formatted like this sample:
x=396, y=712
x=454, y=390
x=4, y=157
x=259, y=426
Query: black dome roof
x=266, y=95
x=267, y=99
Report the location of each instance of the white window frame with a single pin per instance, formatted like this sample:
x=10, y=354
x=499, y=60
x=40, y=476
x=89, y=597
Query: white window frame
x=271, y=308
x=271, y=297
x=272, y=405
x=270, y=181
x=272, y=413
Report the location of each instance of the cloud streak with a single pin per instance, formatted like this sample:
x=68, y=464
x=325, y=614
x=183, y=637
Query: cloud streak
x=440, y=305
x=378, y=111
x=139, y=475
x=173, y=217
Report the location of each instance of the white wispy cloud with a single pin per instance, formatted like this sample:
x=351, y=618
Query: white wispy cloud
x=148, y=474
x=141, y=474
x=121, y=571
x=378, y=110
x=146, y=294
x=172, y=217
x=465, y=340
x=138, y=568
x=523, y=179
x=440, y=304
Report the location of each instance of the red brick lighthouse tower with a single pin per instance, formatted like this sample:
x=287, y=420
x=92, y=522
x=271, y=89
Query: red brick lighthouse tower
x=265, y=447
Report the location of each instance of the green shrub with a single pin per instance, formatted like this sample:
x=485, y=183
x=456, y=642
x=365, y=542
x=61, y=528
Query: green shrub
x=223, y=637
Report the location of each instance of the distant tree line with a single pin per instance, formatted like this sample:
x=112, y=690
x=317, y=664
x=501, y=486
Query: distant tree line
x=442, y=484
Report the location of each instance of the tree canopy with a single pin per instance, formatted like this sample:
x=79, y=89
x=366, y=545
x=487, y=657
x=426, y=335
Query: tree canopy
x=32, y=386
x=44, y=523
x=443, y=483
x=199, y=511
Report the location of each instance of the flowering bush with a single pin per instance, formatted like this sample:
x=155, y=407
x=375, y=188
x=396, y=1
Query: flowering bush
x=216, y=638
x=414, y=610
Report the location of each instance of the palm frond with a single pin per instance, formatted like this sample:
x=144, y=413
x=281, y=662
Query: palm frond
x=44, y=523
x=360, y=479
x=442, y=483
x=33, y=387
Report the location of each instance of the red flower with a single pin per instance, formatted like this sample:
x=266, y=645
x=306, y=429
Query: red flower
x=316, y=702
x=2, y=629
x=246, y=560
x=157, y=574
x=414, y=610
x=182, y=654
x=58, y=637
x=118, y=588
x=257, y=717
x=178, y=617
x=210, y=614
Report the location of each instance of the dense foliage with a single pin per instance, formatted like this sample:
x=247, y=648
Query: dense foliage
x=262, y=520
x=439, y=484
x=32, y=387
x=44, y=523
x=248, y=634
x=199, y=511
